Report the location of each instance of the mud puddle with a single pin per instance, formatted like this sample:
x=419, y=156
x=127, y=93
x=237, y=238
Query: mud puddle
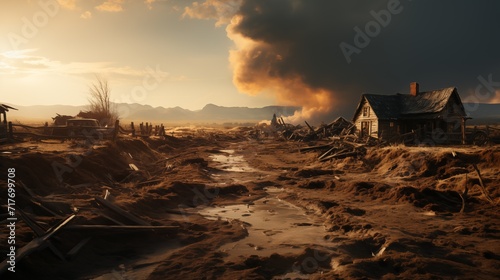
x=232, y=163
x=273, y=225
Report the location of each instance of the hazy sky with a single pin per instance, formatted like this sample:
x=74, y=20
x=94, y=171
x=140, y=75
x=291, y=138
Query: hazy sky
x=51, y=50
x=315, y=53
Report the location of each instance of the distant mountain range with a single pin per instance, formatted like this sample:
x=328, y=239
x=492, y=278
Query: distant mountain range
x=138, y=112
x=480, y=113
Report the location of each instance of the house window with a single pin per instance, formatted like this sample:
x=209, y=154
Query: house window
x=366, y=111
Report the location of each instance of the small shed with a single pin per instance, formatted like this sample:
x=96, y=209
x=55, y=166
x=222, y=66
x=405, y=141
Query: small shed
x=436, y=115
x=4, y=126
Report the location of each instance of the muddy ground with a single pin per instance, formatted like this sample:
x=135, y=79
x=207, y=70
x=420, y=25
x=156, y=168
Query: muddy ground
x=246, y=208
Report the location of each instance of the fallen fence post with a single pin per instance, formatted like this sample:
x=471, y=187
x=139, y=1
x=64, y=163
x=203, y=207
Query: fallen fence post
x=36, y=243
x=72, y=253
x=483, y=188
x=116, y=130
x=11, y=131
x=463, y=195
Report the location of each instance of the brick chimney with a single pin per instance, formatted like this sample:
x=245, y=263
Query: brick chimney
x=413, y=89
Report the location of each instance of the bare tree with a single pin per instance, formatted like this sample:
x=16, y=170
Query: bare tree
x=100, y=106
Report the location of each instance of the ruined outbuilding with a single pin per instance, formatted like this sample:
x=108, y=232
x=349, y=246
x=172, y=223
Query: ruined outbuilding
x=437, y=115
x=4, y=126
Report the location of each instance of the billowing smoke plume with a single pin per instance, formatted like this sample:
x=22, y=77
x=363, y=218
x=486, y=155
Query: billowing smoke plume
x=323, y=54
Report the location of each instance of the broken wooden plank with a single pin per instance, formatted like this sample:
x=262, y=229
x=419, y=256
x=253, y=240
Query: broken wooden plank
x=340, y=155
x=152, y=182
x=39, y=231
x=108, y=217
x=283, y=121
x=118, y=227
x=133, y=167
x=51, y=231
x=310, y=128
x=76, y=249
x=40, y=205
x=318, y=147
x=121, y=212
x=463, y=195
x=36, y=243
x=483, y=188
x=107, y=194
x=28, y=190
x=327, y=152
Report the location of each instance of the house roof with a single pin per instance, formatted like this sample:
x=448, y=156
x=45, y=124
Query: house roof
x=385, y=106
x=5, y=108
x=426, y=102
x=405, y=105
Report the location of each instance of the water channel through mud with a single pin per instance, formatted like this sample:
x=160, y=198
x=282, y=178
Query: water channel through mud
x=273, y=225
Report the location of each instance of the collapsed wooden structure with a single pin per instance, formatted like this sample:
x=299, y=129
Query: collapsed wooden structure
x=122, y=222
x=339, y=126
x=5, y=126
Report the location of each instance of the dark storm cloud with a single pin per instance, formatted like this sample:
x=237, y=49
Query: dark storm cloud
x=437, y=43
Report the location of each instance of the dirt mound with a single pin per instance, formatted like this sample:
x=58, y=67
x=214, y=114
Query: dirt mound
x=317, y=184
x=307, y=173
x=375, y=190
x=392, y=213
x=428, y=162
x=428, y=199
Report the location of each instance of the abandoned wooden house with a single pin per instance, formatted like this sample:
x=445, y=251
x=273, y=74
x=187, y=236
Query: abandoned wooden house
x=436, y=115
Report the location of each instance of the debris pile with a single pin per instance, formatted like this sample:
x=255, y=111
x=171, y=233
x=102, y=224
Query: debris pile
x=338, y=149
x=120, y=221
x=278, y=127
x=343, y=141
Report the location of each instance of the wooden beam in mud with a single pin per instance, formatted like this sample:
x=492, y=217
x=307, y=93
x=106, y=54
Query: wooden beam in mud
x=77, y=248
x=118, y=227
x=319, y=147
x=463, y=195
x=38, y=201
x=282, y=121
x=39, y=231
x=116, y=130
x=327, y=152
x=150, y=182
x=133, y=167
x=483, y=188
x=28, y=190
x=340, y=154
x=108, y=218
x=40, y=205
x=37, y=243
x=121, y=212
